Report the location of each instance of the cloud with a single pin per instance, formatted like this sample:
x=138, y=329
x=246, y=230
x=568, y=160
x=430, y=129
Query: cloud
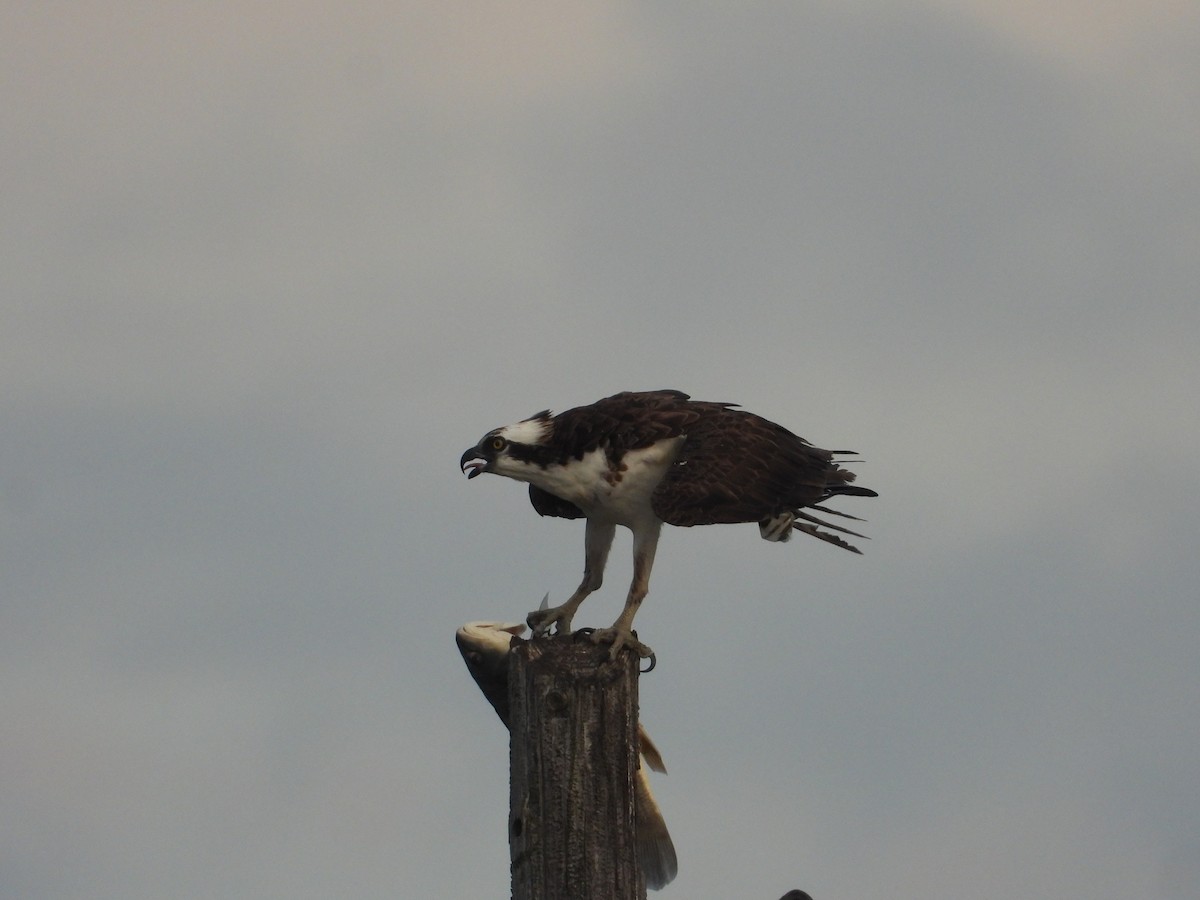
x=269, y=270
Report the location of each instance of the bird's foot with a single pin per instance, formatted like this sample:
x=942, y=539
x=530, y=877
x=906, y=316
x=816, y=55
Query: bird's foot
x=541, y=619
x=622, y=638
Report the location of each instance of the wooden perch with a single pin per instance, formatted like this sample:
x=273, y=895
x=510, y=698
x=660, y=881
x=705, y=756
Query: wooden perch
x=573, y=758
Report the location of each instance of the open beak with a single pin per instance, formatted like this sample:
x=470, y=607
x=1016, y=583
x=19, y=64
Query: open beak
x=472, y=463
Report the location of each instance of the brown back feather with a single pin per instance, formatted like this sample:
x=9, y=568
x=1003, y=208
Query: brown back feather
x=739, y=467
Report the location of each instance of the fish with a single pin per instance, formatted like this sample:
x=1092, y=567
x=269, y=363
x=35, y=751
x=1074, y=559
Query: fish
x=485, y=647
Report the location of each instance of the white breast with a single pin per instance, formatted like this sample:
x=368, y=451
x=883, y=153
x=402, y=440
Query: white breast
x=620, y=493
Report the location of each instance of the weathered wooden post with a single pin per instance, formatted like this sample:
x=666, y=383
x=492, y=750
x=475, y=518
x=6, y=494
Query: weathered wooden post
x=573, y=757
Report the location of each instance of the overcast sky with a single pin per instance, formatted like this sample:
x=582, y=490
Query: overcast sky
x=268, y=269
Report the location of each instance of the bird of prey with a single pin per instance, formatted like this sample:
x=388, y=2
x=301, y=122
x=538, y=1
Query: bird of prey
x=640, y=459
x=485, y=647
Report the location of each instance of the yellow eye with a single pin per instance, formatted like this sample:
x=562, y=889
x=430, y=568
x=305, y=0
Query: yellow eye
x=498, y=443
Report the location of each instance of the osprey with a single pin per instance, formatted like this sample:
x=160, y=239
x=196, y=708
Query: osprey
x=640, y=459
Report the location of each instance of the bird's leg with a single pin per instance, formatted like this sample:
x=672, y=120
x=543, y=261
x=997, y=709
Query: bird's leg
x=540, y=620
x=597, y=540
x=645, y=543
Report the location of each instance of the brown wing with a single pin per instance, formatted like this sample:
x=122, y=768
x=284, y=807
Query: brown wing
x=738, y=467
x=548, y=504
x=620, y=423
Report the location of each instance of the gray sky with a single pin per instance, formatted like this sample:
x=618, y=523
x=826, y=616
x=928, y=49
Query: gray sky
x=268, y=270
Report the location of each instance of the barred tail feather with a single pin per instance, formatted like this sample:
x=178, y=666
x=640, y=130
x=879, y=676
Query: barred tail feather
x=826, y=536
x=852, y=490
x=836, y=512
x=801, y=514
x=810, y=523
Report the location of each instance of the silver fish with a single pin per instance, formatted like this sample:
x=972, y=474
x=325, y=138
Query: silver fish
x=484, y=647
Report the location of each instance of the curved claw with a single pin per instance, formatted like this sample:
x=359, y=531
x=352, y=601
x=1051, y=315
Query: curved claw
x=621, y=638
x=539, y=626
x=542, y=618
x=636, y=646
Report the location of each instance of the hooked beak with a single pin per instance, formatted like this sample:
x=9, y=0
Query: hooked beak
x=473, y=463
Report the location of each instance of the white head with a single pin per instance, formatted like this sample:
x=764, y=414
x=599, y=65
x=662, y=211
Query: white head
x=527, y=431
x=509, y=450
